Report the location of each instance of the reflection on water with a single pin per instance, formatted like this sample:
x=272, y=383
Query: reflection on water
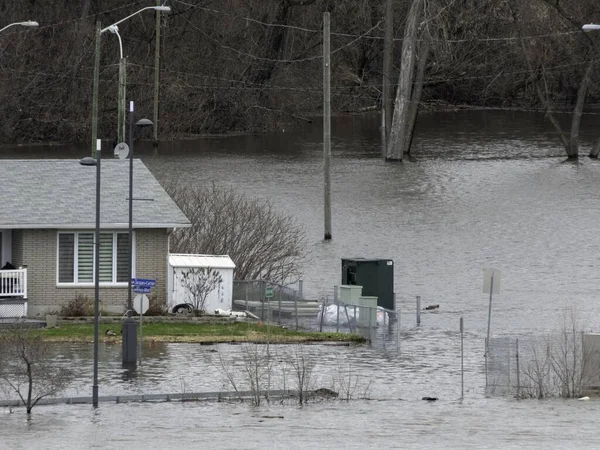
x=486, y=189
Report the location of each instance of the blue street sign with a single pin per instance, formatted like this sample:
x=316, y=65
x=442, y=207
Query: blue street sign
x=143, y=282
x=142, y=290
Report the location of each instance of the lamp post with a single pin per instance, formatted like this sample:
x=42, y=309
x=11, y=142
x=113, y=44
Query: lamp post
x=113, y=28
x=28, y=23
x=89, y=161
x=129, y=344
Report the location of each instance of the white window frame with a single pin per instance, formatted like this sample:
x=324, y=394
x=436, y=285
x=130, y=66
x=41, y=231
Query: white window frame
x=75, y=283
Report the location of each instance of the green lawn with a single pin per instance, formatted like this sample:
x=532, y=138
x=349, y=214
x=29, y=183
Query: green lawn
x=194, y=332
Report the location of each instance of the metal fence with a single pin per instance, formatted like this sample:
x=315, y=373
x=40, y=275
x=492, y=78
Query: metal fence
x=537, y=366
x=275, y=303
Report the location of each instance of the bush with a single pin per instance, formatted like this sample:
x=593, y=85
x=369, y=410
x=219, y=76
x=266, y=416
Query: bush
x=157, y=306
x=78, y=307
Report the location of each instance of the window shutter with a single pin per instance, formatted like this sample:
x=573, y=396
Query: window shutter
x=66, y=256
x=122, y=257
x=106, y=257
x=85, y=257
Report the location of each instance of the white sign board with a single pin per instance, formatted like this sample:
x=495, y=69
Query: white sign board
x=488, y=274
x=141, y=303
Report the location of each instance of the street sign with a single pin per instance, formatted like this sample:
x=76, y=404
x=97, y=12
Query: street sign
x=141, y=303
x=269, y=292
x=491, y=281
x=143, y=282
x=142, y=290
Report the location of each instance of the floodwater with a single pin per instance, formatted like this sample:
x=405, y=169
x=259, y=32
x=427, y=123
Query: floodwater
x=486, y=189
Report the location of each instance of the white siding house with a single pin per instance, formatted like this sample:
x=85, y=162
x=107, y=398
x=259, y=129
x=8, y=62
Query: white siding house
x=178, y=295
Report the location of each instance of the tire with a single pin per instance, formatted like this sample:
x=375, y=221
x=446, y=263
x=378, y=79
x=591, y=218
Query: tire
x=182, y=309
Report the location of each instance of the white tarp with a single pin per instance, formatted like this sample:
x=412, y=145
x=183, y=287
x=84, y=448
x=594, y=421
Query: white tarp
x=331, y=315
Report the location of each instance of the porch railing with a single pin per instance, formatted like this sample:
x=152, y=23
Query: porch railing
x=13, y=283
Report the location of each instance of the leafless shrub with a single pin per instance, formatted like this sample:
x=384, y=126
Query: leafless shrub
x=199, y=282
x=350, y=384
x=79, y=306
x=263, y=243
x=302, y=369
x=26, y=369
x=156, y=306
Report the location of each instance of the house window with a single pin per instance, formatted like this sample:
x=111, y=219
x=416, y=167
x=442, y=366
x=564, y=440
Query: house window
x=76, y=257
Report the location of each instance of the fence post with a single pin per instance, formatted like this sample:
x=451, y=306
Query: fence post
x=418, y=310
x=518, y=372
x=263, y=299
x=462, y=357
x=398, y=329
x=323, y=308
x=337, y=306
x=296, y=308
x=279, y=313
x=301, y=289
x=246, y=283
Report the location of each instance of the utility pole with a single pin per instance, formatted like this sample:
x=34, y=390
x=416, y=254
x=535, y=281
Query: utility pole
x=95, y=90
x=387, y=88
x=327, y=122
x=156, y=76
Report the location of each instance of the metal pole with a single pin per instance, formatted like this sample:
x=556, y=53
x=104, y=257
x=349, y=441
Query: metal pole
x=327, y=122
x=323, y=308
x=418, y=310
x=95, y=88
x=121, y=120
x=279, y=313
x=489, y=313
x=141, y=336
x=296, y=308
x=337, y=303
x=486, y=366
x=130, y=249
x=156, y=74
x=398, y=330
x=462, y=357
x=518, y=372
x=97, y=274
x=129, y=344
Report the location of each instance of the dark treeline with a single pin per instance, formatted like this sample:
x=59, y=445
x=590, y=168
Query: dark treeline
x=252, y=65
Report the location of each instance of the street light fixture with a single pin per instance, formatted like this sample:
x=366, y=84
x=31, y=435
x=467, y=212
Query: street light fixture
x=590, y=27
x=123, y=67
x=89, y=161
x=28, y=23
x=129, y=344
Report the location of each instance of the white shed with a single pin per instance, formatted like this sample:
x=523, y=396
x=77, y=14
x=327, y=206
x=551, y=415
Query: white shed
x=178, y=296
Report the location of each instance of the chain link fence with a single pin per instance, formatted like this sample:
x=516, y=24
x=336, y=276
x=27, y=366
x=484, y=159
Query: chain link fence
x=556, y=365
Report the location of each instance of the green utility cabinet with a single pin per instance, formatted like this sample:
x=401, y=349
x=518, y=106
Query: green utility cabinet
x=376, y=276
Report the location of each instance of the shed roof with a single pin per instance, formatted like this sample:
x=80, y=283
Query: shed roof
x=50, y=193
x=189, y=260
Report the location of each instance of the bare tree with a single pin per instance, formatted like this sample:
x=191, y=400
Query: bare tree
x=302, y=367
x=26, y=369
x=199, y=282
x=263, y=243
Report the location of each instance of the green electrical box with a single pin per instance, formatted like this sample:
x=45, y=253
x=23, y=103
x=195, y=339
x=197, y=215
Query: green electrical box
x=376, y=276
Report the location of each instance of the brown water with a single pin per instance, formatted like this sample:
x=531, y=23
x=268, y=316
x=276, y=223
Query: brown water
x=487, y=189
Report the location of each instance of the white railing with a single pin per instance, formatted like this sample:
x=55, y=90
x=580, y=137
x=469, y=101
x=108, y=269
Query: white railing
x=13, y=283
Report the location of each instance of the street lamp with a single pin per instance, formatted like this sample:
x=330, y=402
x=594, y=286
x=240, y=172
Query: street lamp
x=590, y=27
x=122, y=67
x=129, y=343
x=28, y=23
x=89, y=161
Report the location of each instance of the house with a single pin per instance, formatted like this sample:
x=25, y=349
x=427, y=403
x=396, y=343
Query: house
x=179, y=295
x=47, y=225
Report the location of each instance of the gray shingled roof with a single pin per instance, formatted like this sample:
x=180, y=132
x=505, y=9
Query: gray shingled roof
x=46, y=193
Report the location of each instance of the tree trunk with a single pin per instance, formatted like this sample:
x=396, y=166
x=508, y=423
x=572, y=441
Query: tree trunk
x=399, y=130
x=418, y=90
x=387, y=91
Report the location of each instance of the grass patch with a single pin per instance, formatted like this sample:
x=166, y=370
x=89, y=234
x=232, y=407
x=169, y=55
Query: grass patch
x=196, y=332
